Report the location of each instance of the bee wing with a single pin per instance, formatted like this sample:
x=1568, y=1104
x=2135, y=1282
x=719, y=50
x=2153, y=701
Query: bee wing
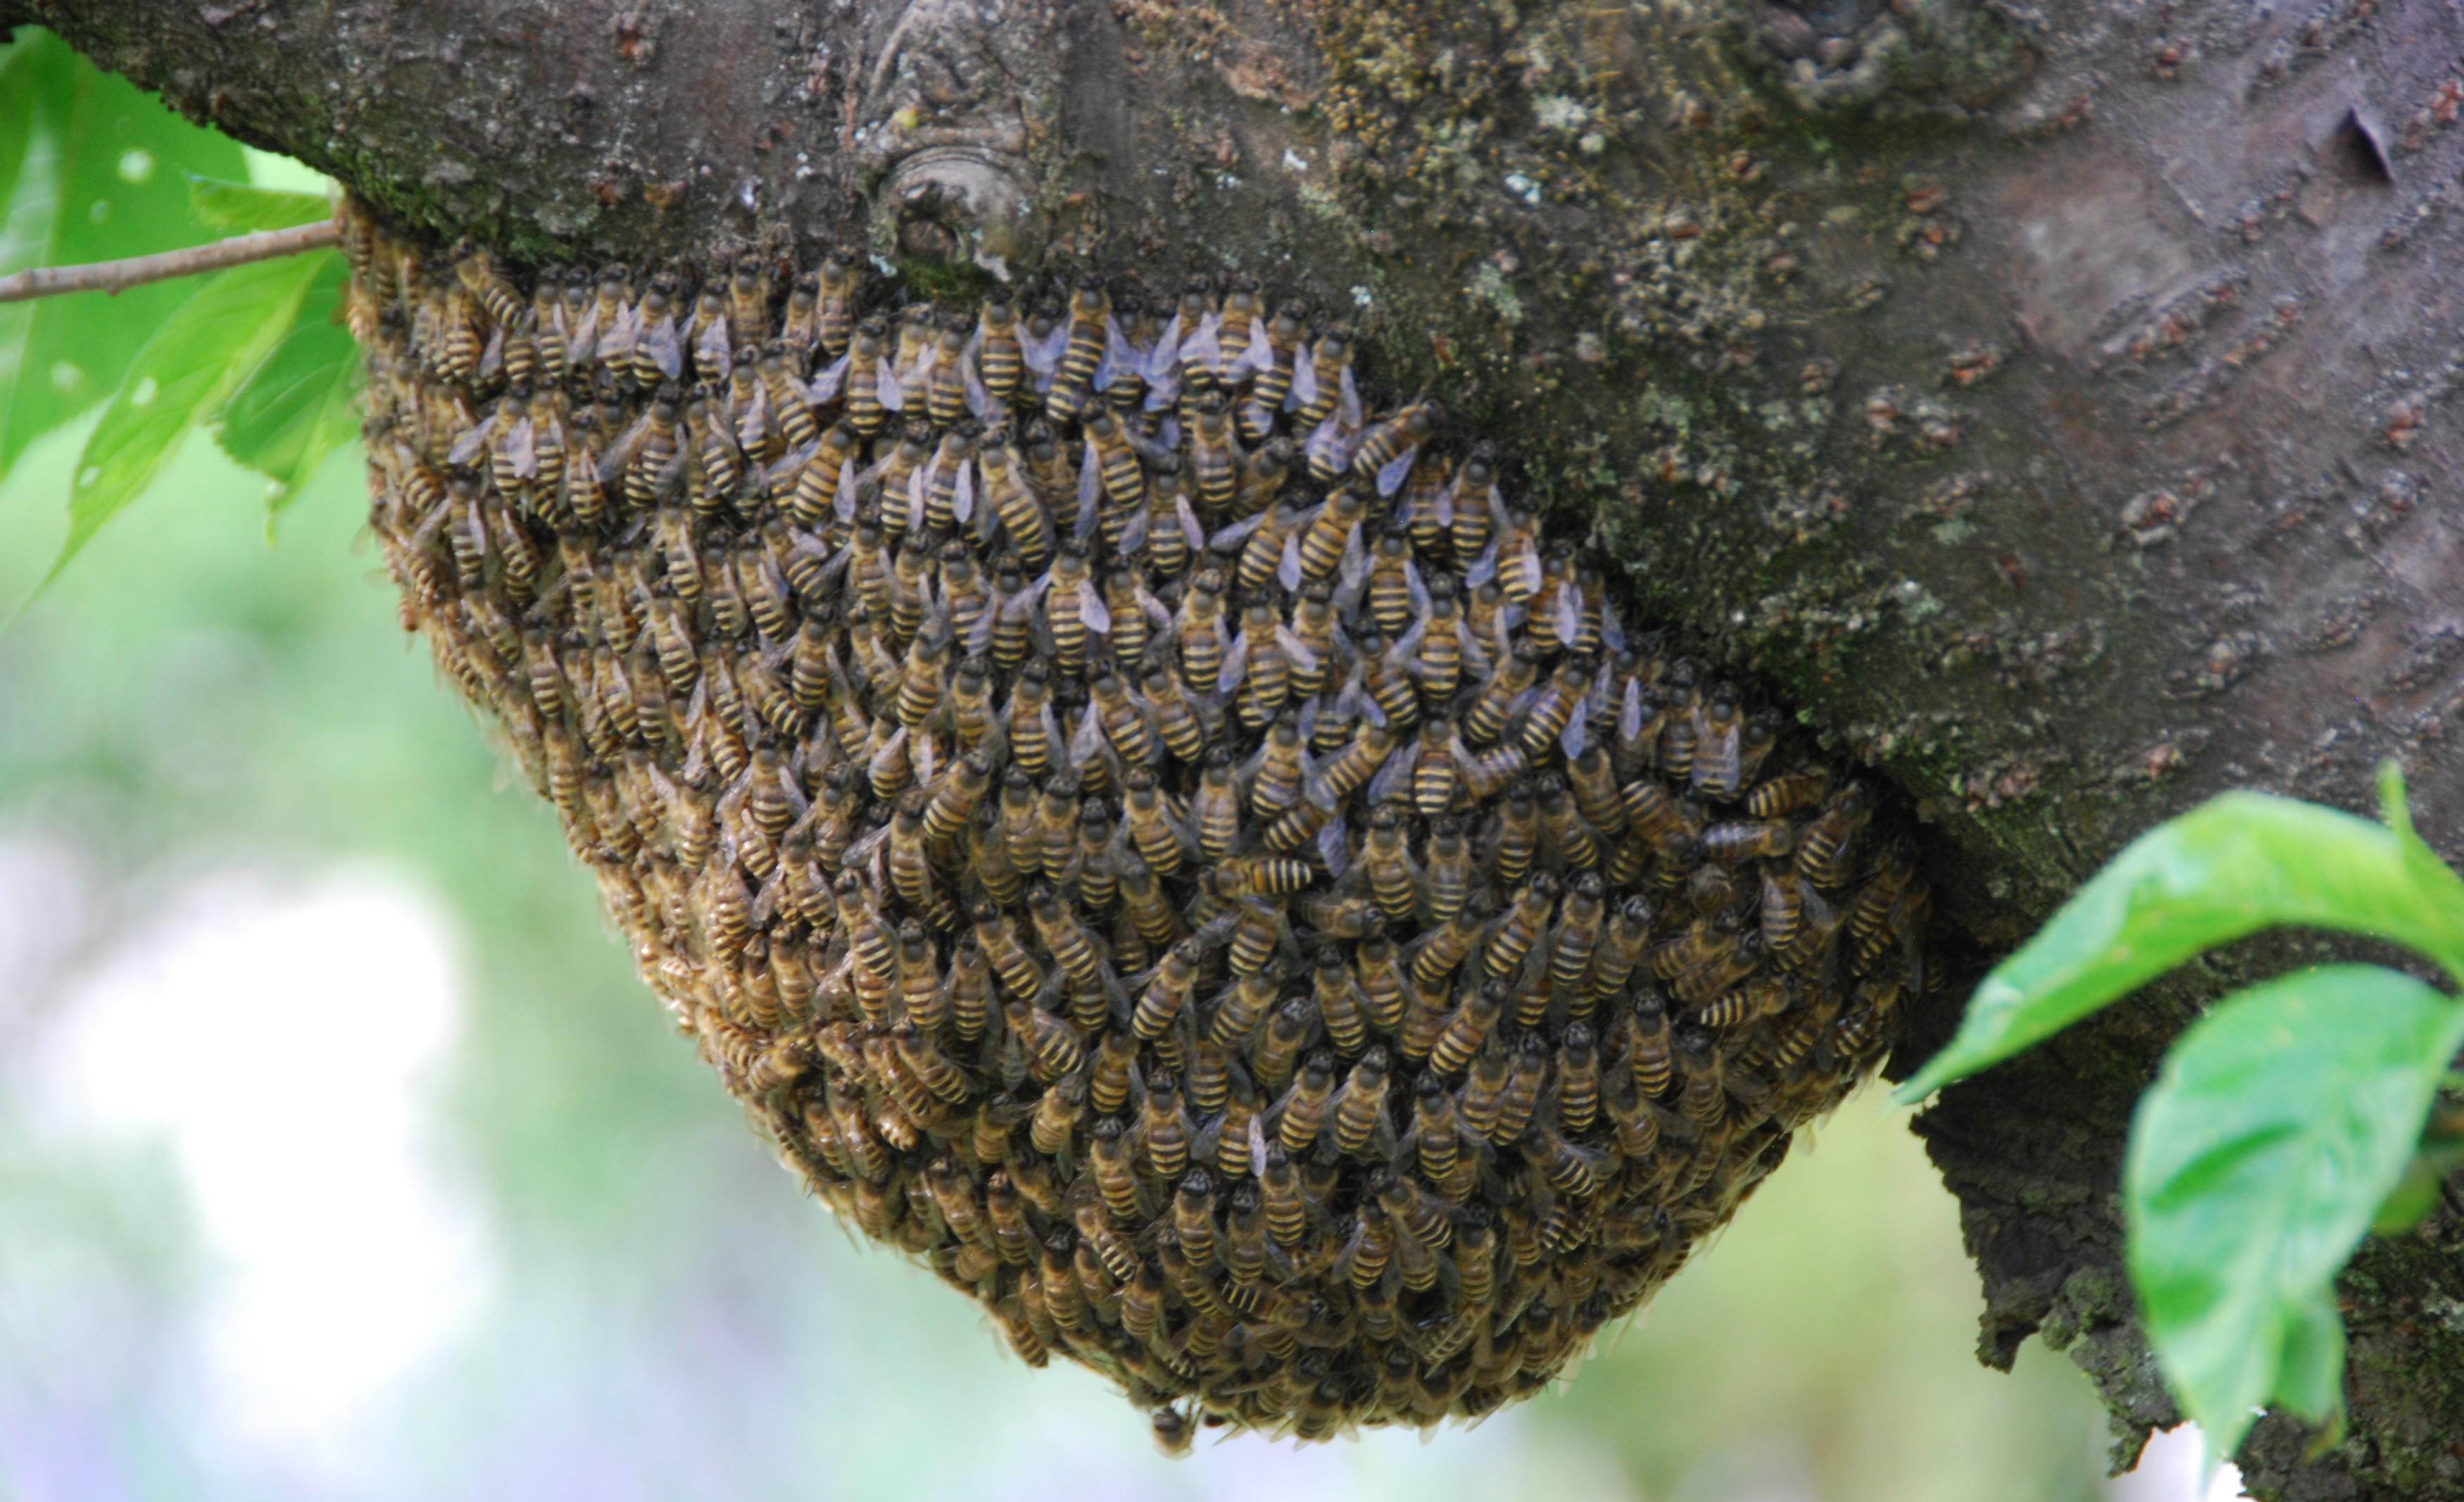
x=1331, y=446
x=1335, y=847
x=1405, y=654
x=713, y=353
x=1397, y=470
x=1578, y=732
x=1093, y=609
x=583, y=341
x=1237, y=531
x=660, y=338
x=1256, y=418
x=1348, y=407
x=1568, y=614
x=979, y=400
x=1168, y=436
x=1612, y=630
x=1134, y=533
x=1476, y=657
x=1295, y=648
x=1236, y=664
x=979, y=635
x=1042, y=356
x=1260, y=357
x=1396, y=774
x=1523, y=555
x=1287, y=573
x=1090, y=490
x=1205, y=347
x=1188, y=519
x=1484, y=568
x=893, y=395
x=962, y=499
x=1162, y=362
x=1119, y=355
x=1157, y=614
x=472, y=440
x=1353, y=566
x=1164, y=390
x=752, y=421
x=1304, y=379
x=843, y=501
x=521, y=448
x=823, y=389
x=493, y=359
x=619, y=457
x=619, y=341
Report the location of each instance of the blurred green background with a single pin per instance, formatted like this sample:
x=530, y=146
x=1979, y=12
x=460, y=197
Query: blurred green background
x=343, y=1156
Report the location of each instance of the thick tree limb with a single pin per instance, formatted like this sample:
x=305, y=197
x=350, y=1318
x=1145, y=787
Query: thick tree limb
x=2057, y=403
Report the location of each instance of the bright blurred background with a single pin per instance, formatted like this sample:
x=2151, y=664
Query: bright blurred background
x=342, y=1154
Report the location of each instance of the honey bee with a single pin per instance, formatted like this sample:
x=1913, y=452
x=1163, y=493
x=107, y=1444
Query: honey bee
x=1361, y=1125
x=999, y=358
x=1084, y=343
x=1822, y=851
x=833, y=318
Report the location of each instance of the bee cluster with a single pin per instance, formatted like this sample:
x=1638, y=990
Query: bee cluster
x=1167, y=844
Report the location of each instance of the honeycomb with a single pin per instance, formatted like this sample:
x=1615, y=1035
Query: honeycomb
x=1163, y=841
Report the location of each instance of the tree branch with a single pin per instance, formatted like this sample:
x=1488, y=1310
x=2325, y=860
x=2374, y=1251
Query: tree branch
x=111, y=277
x=2051, y=401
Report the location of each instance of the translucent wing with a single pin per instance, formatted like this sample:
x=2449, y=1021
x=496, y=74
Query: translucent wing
x=824, y=387
x=472, y=443
x=1397, y=470
x=1236, y=664
x=522, y=449
x=963, y=499
x=1090, y=490
x=711, y=352
x=1163, y=361
x=1042, y=356
x=1205, y=347
x=660, y=338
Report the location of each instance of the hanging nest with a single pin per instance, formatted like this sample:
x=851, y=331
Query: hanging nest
x=1167, y=844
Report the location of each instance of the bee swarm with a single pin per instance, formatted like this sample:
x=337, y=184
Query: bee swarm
x=1170, y=847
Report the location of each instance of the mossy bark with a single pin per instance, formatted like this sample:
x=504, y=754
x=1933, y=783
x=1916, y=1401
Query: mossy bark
x=2053, y=403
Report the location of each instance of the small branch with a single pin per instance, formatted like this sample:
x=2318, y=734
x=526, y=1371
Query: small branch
x=49, y=281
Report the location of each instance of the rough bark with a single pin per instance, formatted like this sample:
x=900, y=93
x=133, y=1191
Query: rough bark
x=2051, y=402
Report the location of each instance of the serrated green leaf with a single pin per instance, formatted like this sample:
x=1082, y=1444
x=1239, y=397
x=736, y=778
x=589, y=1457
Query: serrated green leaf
x=298, y=406
x=2237, y=864
x=184, y=373
x=105, y=175
x=244, y=207
x=2281, y=1123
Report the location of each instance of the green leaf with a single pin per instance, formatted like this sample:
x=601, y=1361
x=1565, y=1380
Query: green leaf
x=2232, y=865
x=2280, y=1123
x=2431, y=873
x=104, y=175
x=183, y=374
x=19, y=82
x=244, y=207
x=298, y=406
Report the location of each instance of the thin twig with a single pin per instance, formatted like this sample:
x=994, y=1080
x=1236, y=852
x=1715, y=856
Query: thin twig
x=47, y=281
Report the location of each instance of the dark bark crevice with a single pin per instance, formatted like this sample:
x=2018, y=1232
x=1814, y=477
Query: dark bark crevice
x=2055, y=404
